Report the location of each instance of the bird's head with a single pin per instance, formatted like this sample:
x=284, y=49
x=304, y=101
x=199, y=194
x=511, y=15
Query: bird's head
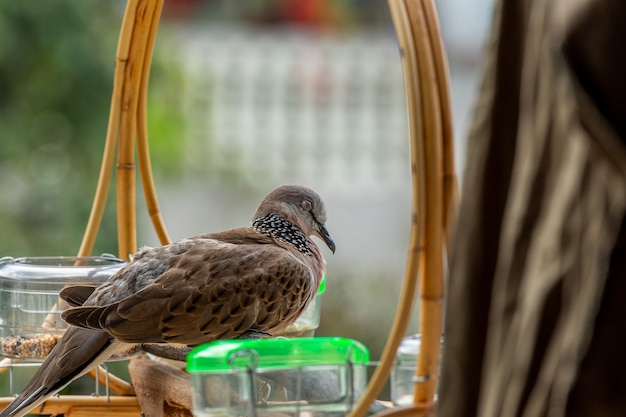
x=300, y=206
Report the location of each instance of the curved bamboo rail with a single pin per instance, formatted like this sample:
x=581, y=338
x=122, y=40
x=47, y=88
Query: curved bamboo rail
x=435, y=199
x=418, y=222
x=87, y=406
x=127, y=124
x=127, y=118
x=434, y=185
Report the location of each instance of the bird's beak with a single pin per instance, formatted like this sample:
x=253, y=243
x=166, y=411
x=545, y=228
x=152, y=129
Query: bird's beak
x=323, y=233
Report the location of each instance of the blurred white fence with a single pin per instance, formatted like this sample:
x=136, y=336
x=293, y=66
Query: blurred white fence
x=324, y=110
x=295, y=106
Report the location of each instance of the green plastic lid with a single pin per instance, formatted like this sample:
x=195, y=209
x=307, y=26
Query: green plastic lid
x=322, y=287
x=227, y=355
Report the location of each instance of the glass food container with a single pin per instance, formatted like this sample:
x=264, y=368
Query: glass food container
x=403, y=377
x=292, y=377
x=30, y=307
x=403, y=372
x=309, y=321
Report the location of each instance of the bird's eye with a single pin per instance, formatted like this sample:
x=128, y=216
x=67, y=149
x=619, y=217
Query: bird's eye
x=306, y=205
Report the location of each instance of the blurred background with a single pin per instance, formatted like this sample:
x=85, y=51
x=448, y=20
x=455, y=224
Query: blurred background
x=244, y=96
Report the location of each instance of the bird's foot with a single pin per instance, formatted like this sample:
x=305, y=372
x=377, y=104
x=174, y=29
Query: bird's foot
x=254, y=334
x=174, y=352
x=179, y=352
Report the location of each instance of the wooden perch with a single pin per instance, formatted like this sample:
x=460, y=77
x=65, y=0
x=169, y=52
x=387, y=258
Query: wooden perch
x=162, y=391
x=86, y=406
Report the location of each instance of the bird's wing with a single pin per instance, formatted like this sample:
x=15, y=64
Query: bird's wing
x=213, y=290
x=76, y=295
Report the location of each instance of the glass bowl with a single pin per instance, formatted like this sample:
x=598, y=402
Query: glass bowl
x=30, y=307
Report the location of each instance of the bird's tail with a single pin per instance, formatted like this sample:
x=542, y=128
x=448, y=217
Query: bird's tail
x=76, y=353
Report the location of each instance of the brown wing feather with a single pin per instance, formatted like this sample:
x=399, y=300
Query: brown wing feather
x=211, y=291
x=76, y=295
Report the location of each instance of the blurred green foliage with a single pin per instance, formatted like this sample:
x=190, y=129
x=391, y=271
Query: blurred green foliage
x=57, y=61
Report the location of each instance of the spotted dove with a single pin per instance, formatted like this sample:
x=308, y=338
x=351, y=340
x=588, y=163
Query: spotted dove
x=212, y=286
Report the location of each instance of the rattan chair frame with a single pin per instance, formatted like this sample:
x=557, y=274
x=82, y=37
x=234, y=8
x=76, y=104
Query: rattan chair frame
x=434, y=191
